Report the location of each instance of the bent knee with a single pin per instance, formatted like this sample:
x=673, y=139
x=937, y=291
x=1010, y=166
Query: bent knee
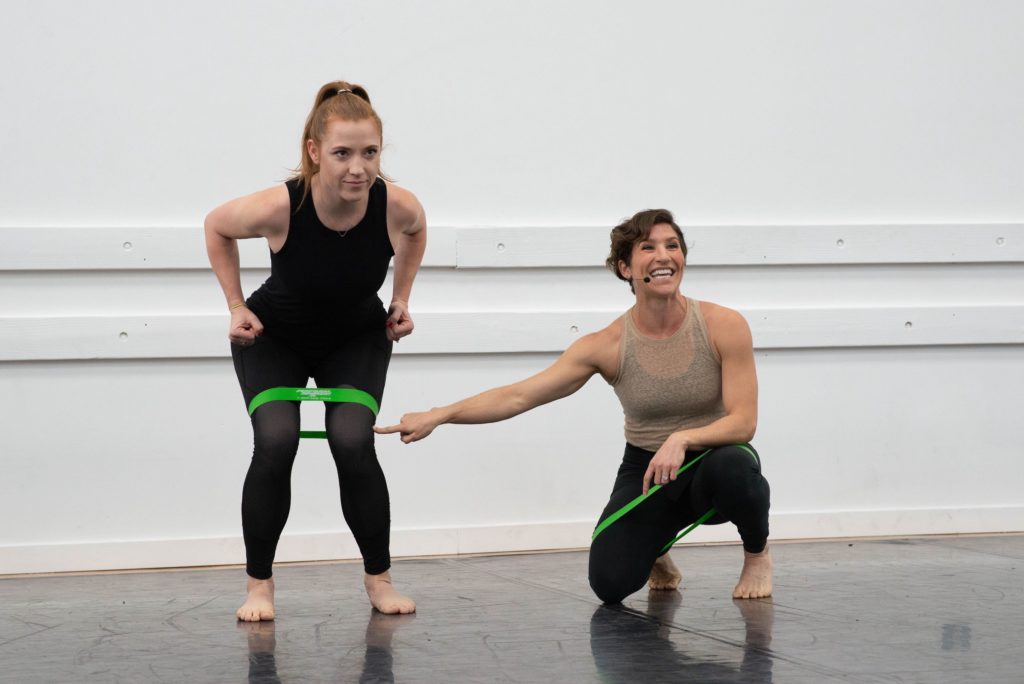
x=274, y=456
x=611, y=585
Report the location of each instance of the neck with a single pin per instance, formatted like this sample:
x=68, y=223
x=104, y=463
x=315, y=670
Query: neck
x=659, y=316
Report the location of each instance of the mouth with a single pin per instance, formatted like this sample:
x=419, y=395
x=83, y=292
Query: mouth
x=662, y=274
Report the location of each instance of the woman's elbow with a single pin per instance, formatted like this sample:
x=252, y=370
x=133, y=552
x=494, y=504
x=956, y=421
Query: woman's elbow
x=749, y=428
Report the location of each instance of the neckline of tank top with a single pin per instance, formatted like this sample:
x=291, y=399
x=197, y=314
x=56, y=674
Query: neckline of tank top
x=344, y=233
x=690, y=304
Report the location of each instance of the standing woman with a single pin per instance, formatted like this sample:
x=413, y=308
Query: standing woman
x=332, y=230
x=684, y=372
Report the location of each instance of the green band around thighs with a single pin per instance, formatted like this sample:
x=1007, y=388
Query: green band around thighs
x=343, y=395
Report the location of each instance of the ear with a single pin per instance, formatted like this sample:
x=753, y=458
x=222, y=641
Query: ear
x=313, y=150
x=625, y=270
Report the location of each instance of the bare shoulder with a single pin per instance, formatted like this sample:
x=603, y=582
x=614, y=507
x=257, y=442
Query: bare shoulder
x=264, y=213
x=600, y=349
x=718, y=316
x=405, y=213
x=727, y=327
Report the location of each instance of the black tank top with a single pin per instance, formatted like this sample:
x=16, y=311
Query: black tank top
x=323, y=283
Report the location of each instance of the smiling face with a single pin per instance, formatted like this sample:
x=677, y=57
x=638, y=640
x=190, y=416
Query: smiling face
x=348, y=157
x=659, y=257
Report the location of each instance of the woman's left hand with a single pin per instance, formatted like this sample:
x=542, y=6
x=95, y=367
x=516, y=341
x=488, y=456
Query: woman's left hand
x=666, y=461
x=399, y=321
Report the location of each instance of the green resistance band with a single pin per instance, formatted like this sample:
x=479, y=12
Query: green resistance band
x=347, y=395
x=607, y=522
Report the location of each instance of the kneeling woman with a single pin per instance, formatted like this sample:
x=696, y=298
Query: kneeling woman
x=684, y=373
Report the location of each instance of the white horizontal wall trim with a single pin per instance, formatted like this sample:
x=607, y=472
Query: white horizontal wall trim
x=166, y=553
x=204, y=336
x=77, y=248
x=82, y=248
x=753, y=245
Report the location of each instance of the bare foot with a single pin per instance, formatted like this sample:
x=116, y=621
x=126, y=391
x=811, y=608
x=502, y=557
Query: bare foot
x=665, y=574
x=384, y=597
x=756, y=577
x=259, y=604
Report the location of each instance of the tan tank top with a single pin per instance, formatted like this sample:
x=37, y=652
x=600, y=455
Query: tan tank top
x=668, y=385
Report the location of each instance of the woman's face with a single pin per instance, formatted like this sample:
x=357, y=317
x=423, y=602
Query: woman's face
x=658, y=258
x=349, y=157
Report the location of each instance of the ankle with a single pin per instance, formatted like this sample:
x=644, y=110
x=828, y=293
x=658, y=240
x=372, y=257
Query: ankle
x=373, y=580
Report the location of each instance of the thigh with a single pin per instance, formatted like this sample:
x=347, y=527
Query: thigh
x=268, y=363
x=646, y=528
x=723, y=474
x=361, y=362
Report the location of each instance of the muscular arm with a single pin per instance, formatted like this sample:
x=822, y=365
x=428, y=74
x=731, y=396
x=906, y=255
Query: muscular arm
x=569, y=373
x=735, y=346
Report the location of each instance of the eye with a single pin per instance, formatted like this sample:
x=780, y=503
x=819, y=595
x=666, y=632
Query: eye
x=341, y=154
x=371, y=153
x=647, y=248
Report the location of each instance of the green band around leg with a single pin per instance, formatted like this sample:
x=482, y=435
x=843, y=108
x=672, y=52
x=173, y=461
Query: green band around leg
x=340, y=395
x=347, y=395
x=700, y=521
x=607, y=522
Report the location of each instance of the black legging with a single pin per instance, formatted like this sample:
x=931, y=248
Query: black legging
x=728, y=479
x=360, y=361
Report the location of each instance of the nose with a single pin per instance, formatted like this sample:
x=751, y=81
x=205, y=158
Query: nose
x=356, y=166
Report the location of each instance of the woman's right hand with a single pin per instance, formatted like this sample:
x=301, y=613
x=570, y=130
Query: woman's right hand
x=245, y=327
x=413, y=426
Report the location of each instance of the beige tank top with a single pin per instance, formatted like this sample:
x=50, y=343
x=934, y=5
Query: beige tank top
x=668, y=385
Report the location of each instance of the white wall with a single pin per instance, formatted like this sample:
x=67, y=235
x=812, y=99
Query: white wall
x=842, y=169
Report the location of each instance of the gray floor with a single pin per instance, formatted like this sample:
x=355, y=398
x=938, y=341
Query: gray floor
x=920, y=610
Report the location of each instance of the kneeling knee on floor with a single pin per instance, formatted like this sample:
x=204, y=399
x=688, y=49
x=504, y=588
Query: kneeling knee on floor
x=611, y=586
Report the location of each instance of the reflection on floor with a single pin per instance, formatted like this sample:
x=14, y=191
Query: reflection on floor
x=918, y=610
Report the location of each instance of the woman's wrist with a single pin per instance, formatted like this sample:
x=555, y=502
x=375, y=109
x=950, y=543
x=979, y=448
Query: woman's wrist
x=236, y=305
x=682, y=440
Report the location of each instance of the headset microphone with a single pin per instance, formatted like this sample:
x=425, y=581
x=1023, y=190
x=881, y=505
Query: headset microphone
x=647, y=279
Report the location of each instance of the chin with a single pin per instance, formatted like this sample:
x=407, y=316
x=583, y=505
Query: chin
x=352, y=194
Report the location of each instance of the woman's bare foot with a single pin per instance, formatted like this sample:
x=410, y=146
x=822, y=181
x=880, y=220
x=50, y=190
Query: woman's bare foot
x=664, y=574
x=259, y=604
x=384, y=597
x=756, y=577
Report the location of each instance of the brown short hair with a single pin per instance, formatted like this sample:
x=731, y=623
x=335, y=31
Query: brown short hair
x=634, y=229
x=338, y=100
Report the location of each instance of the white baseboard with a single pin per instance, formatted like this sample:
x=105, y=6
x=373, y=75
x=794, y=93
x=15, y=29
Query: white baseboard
x=174, y=553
